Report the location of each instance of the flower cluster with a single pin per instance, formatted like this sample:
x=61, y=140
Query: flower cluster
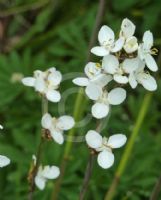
x=124, y=61
x=46, y=83
x=4, y=161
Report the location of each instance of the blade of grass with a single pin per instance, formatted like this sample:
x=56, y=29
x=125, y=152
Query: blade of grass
x=128, y=149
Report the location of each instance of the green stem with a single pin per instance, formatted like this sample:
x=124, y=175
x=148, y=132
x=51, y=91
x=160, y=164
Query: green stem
x=76, y=115
x=38, y=154
x=124, y=160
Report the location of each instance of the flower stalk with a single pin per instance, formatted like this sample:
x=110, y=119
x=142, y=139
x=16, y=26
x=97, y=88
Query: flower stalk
x=35, y=167
x=128, y=149
x=89, y=169
x=87, y=176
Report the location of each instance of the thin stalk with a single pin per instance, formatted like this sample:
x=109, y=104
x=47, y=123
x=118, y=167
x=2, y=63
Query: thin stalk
x=87, y=176
x=156, y=190
x=128, y=149
x=78, y=102
x=38, y=154
x=89, y=169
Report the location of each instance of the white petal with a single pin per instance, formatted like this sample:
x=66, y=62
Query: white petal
x=93, y=139
x=93, y=91
x=4, y=161
x=100, y=110
x=105, y=159
x=50, y=172
x=57, y=136
x=148, y=39
x=130, y=65
x=53, y=95
x=127, y=28
x=81, y=81
x=99, y=51
x=102, y=80
x=131, y=45
x=39, y=84
x=148, y=82
x=1, y=127
x=117, y=140
x=116, y=96
x=55, y=78
x=120, y=79
x=65, y=122
x=105, y=35
x=118, y=45
x=150, y=62
x=132, y=80
x=40, y=182
x=39, y=74
x=52, y=69
x=46, y=121
x=110, y=64
x=28, y=81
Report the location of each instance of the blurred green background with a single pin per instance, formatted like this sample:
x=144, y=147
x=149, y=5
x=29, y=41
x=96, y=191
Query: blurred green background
x=37, y=34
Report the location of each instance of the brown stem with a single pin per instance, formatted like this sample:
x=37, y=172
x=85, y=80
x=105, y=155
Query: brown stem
x=99, y=17
x=87, y=176
x=156, y=190
x=89, y=168
x=35, y=167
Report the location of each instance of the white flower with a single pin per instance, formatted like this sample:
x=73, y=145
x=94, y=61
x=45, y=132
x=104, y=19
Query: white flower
x=137, y=74
x=127, y=32
x=48, y=172
x=104, y=146
x=111, y=65
x=95, y=77
x=94, y=74
x=107, y=42
x=57, y=126
x=4, y=161
x=144, y=51
x=1, y=127
x=46, y=83
x=103, y=100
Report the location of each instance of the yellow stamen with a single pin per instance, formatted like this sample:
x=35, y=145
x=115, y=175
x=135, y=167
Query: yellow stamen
x=98, y=65
x=154, y=51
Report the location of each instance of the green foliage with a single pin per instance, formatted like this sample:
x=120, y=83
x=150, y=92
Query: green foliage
x=56, y=35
